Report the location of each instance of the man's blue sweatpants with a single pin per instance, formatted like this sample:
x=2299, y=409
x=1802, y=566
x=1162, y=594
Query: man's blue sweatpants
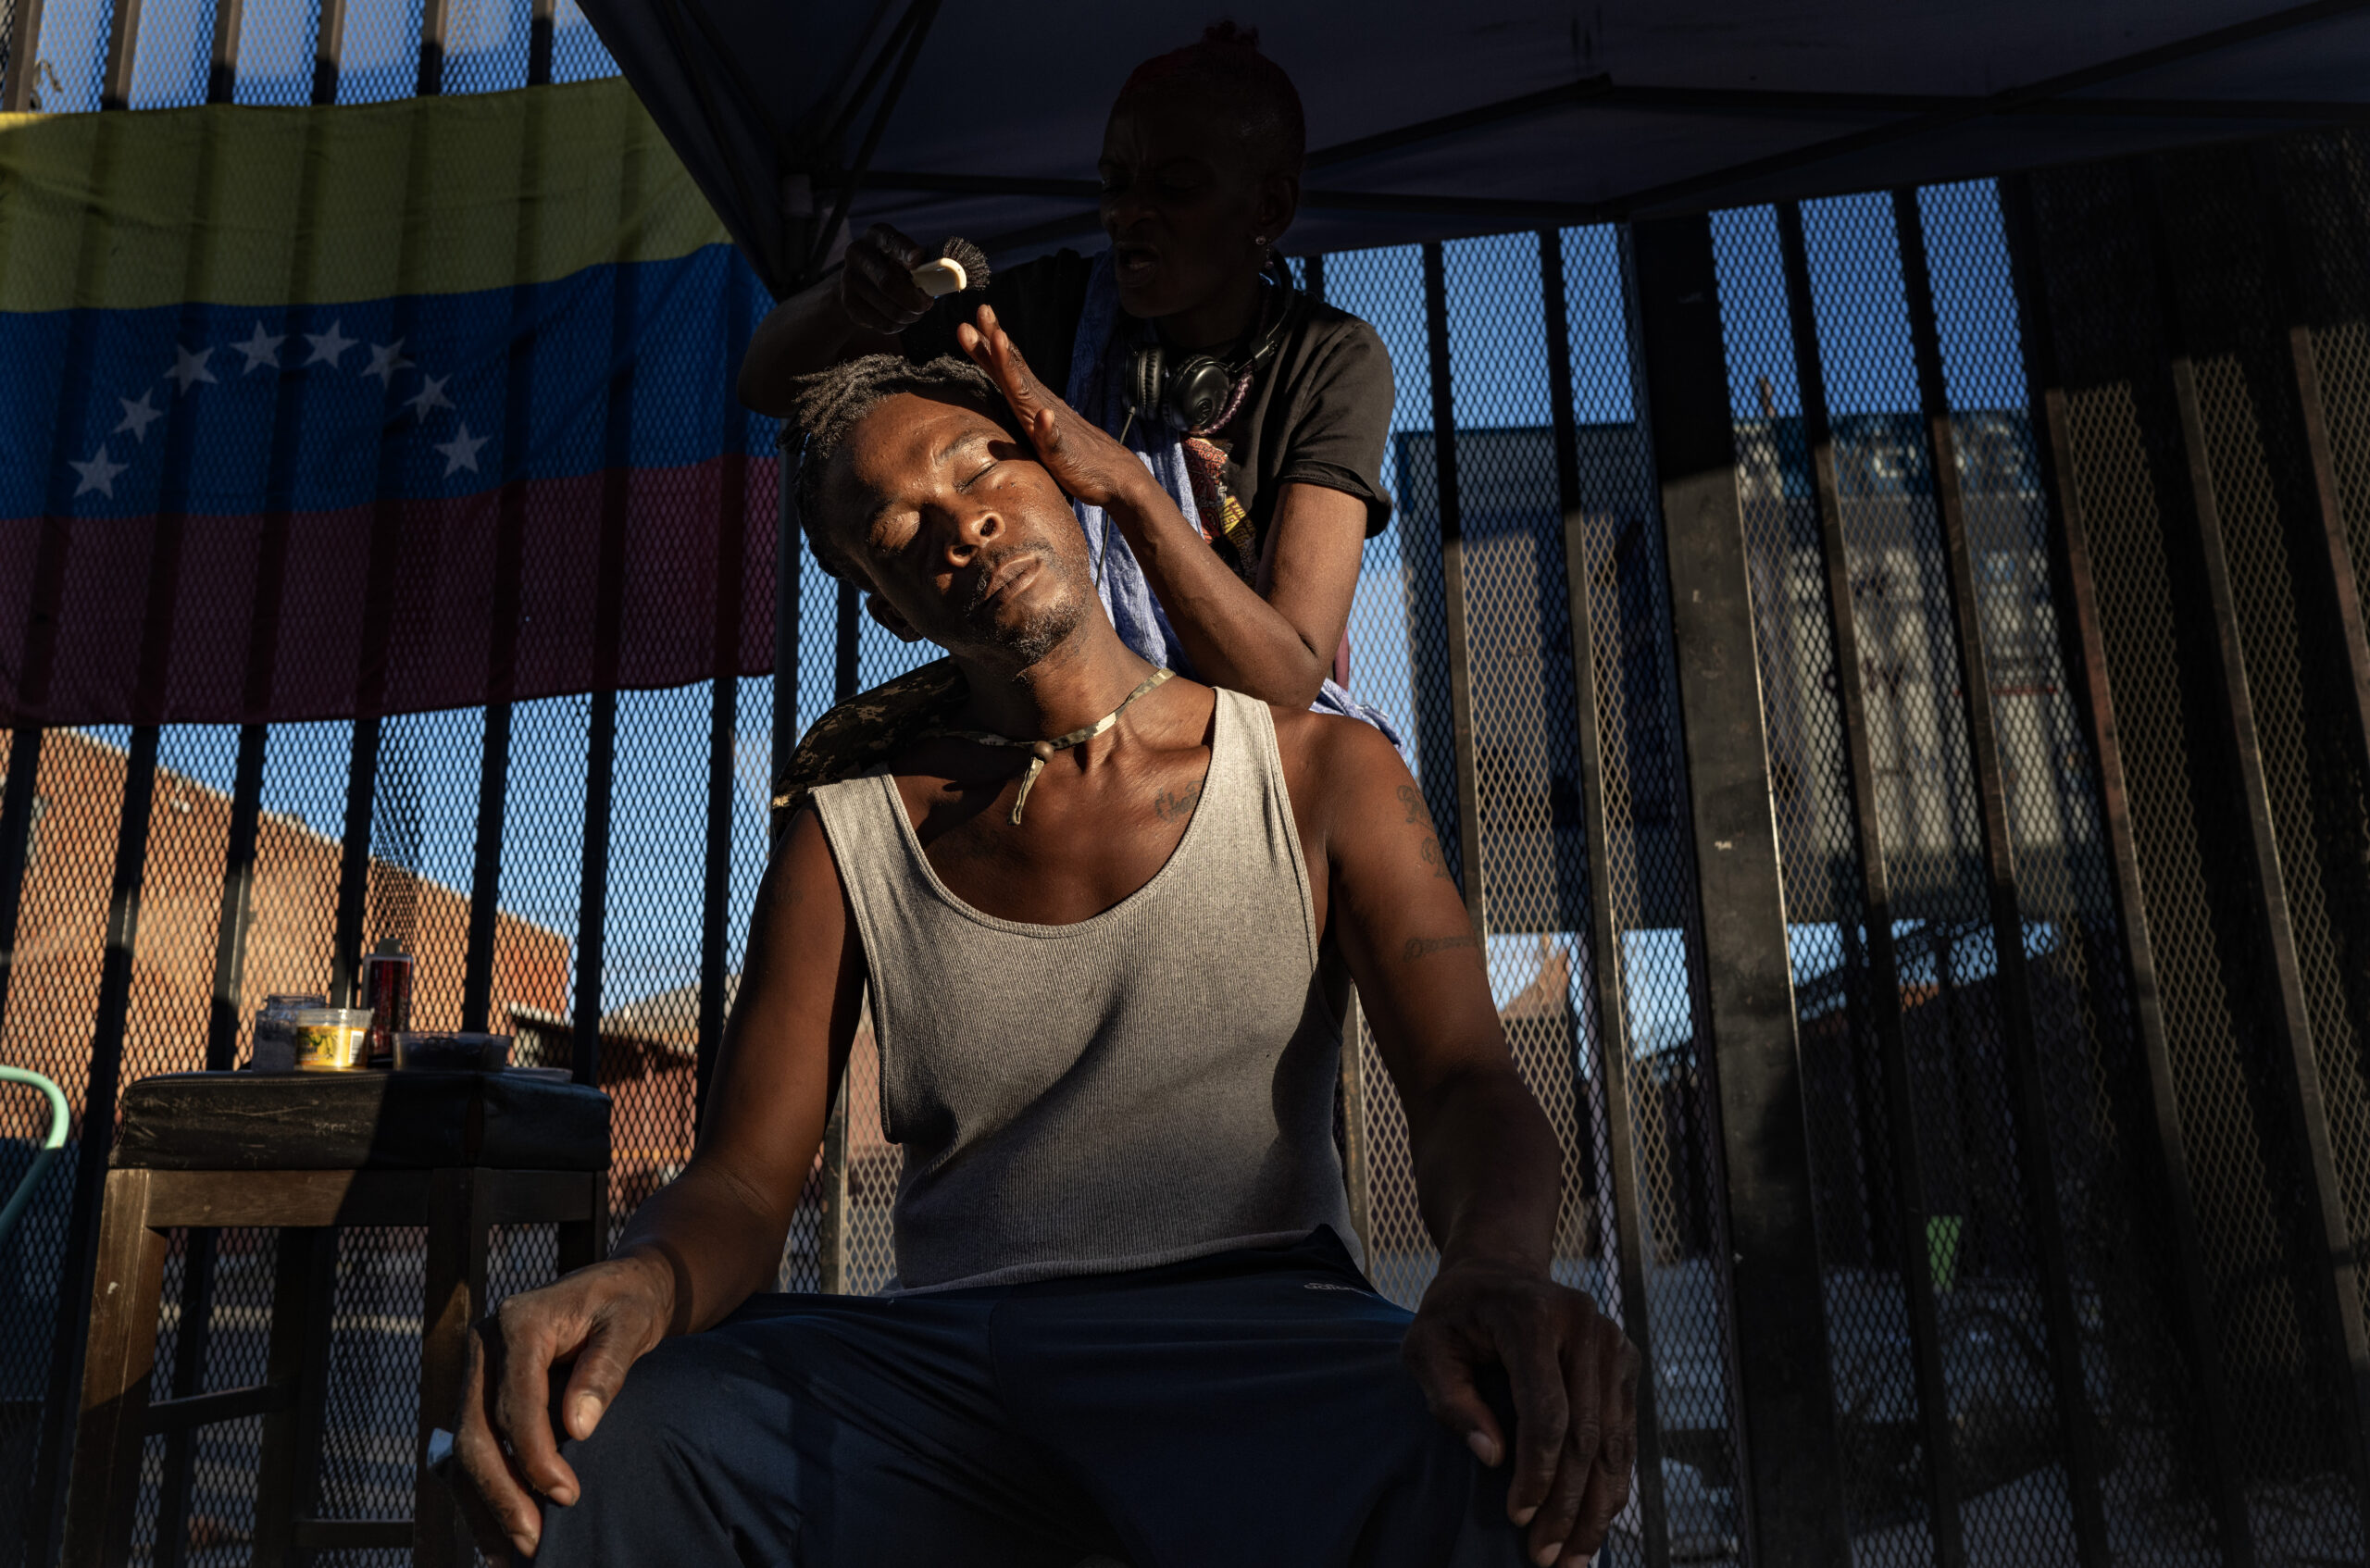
x=1242, y=1410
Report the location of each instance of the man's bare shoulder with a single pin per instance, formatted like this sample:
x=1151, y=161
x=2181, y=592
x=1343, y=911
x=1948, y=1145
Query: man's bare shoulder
x=1337, y=762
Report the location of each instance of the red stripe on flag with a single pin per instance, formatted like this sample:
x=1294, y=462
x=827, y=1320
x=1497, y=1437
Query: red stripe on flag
x=439, y=648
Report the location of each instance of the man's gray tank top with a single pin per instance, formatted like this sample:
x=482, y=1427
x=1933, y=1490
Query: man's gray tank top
x=1152, y=1083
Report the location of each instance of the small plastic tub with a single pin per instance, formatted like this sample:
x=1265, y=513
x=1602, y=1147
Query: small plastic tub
x=332, y=1039
x=450, y=1050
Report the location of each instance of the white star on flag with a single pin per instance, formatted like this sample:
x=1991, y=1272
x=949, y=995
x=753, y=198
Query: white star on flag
x=430, y=396
x=385, y=360
x=138, y=416
x=98, y=473
x=261, y=350
x=327, y=346
x=461, y=452
x=190, y=368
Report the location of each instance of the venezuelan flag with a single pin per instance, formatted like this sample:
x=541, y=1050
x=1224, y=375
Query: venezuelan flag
x=385, y=409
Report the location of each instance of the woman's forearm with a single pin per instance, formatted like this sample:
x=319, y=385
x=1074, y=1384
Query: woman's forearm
x=1237, y=639
x=807, y=332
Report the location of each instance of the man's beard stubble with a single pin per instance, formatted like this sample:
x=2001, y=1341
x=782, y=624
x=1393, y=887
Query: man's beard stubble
x=1050, y=628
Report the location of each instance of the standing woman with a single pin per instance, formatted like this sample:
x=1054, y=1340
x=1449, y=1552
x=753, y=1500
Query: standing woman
x=1262, y=413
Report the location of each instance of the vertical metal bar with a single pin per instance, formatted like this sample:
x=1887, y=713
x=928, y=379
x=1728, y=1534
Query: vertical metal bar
x=353, y=856
x=223, y=63
x=329, y=48
x=123, y=48
x=787, y=569
x=2085, y=655
x=17, y=95
x=177, y=459
x=485, y=863
x=1606, y=1003
x=111, y=1024
x=2333, y=596
x=191, y=1344
x=593, y=886
x=540, y=22
x=1459, y=647
x=362, y=773
x=1356, y=1147
x=831, y=1229
x=2030, y=1107
x=509, y=573
x=434, y=21
x=1791, y=1461
x=843, y=649
x=1883, y=965
x=608, y=626
x=2328, y=1268
x=724, y=717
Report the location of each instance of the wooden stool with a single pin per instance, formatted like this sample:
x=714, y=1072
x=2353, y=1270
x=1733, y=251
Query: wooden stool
x=459, y=1153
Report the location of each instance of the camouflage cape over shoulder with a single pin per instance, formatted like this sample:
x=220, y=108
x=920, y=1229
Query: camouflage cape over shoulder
x=865, y=731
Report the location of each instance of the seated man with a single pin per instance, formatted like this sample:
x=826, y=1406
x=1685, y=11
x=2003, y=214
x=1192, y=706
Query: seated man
x=1104, y=923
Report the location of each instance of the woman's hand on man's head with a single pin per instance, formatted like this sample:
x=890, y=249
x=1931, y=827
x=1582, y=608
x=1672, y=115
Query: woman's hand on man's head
x=1085, y=460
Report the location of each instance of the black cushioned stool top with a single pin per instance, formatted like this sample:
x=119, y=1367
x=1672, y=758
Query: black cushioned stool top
x=361, y=1121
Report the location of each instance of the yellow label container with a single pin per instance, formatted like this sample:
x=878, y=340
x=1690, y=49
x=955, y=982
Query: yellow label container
x=332, y=1039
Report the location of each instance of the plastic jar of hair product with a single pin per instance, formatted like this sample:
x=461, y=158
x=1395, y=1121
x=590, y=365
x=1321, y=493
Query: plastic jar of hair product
x=332, y=1039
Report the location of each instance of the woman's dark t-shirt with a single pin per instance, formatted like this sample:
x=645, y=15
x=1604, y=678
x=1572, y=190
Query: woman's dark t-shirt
x=1318, y=412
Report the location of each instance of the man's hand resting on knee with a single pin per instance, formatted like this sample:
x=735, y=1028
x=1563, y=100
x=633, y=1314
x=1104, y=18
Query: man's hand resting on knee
x=1573, y=1379
x=1487, y=1162
x=593, y=1324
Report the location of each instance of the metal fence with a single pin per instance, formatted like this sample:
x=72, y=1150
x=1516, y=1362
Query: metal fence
x=1891, y=672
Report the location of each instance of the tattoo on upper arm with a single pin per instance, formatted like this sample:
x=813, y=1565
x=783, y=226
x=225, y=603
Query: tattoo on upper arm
x=1428, y=851
x=1424, y=947
x=1170, y=804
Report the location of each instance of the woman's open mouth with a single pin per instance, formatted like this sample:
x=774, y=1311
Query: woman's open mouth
x=1135, y=262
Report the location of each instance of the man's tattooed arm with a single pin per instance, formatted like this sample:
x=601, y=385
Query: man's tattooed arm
x=1429, y=850
x=1424, y=947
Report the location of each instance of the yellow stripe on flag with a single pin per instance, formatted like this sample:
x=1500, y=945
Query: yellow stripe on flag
x=520, y=187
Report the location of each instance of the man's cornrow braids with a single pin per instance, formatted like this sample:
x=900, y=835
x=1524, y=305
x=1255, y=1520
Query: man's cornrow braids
x=828, y=404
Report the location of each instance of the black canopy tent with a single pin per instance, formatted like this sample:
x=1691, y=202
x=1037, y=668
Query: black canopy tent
x=1429, y=122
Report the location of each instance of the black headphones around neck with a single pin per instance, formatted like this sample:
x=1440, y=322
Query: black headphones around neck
x=1190, y=393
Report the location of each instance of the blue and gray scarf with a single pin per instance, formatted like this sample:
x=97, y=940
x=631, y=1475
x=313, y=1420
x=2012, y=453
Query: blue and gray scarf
x=1096, y=374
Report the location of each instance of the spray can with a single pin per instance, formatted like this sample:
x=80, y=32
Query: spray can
x=386, y=993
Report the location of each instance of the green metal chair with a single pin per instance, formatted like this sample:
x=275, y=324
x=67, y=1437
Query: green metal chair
x=45, y=1155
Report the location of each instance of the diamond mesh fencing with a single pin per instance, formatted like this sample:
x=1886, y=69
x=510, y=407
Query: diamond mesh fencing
x=1926, y=803
x=1886, y=1483
x=2221, y=992
x=2327, y=290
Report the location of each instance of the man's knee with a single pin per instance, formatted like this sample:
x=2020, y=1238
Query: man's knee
x=667, y=1409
